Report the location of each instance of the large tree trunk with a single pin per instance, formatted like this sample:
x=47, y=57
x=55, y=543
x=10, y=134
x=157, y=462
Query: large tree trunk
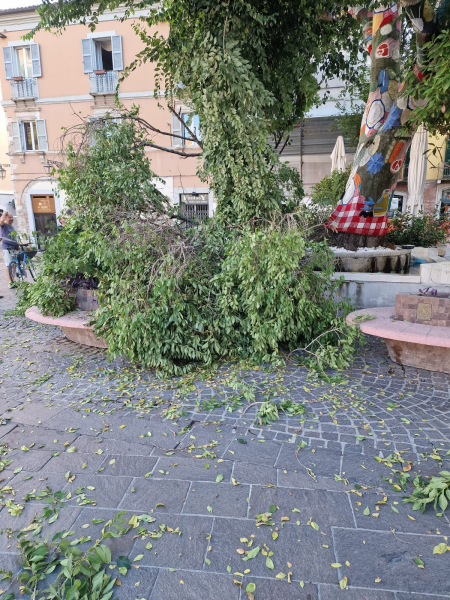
x=362, y=210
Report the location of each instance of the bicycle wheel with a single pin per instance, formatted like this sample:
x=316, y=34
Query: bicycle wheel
x=15, y=272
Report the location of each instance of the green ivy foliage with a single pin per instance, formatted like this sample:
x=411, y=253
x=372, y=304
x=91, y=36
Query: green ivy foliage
x=171, y=298
x=331, y=188
x=433, y=89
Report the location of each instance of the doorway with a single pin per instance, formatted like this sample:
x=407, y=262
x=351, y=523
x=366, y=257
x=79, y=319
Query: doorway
x=44, y=214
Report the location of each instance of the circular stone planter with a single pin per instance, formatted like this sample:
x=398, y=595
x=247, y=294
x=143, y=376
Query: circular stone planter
x=411, y=344
x=376, y=260
x=74, y=325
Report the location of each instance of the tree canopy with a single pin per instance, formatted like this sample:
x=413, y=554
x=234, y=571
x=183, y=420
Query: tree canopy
x=249, y=69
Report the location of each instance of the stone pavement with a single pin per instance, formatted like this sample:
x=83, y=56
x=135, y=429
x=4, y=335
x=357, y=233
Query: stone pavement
x=188, y=453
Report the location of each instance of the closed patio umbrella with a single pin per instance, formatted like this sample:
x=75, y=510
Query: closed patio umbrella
x=417, y=170
x=338, y=159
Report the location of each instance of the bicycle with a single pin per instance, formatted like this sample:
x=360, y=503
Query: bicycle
x=21, y=262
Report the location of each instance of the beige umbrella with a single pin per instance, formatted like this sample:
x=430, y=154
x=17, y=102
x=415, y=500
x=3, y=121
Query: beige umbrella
x=338, y=159
x=417, y=171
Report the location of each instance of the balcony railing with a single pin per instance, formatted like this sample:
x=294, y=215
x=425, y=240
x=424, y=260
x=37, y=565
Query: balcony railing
x=444, y=171
x=104, y=83
x=24, y=88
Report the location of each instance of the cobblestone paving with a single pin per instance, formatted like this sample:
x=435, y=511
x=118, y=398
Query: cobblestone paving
x=176, y=450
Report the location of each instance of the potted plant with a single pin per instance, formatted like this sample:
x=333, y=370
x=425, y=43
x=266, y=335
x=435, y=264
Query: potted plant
x=425, y=232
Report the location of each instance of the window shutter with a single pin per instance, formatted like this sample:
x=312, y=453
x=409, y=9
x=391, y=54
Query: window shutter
x=447, y=152
x=117, y=55
x=8, y=60
x=87, y=47
x=176, y=130
x=35, y=60
x=17, y=139
x=42, y=134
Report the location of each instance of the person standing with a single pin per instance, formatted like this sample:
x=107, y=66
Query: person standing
x=8, y=235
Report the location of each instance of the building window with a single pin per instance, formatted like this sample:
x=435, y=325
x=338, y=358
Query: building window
x=22, y=61
x=102, y=54
x=29, y=136
x=194, y=207
x=23, y=57
x=178, y=129
x=192, y=122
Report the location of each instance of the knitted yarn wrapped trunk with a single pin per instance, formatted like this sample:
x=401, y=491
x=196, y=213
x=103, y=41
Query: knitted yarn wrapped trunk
x=360, y=218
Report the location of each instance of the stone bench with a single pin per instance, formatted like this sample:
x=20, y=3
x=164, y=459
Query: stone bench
x=412, y=344
x=74, y=325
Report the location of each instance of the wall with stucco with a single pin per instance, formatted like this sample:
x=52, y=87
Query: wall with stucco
x=6, y=188
x=64, y=97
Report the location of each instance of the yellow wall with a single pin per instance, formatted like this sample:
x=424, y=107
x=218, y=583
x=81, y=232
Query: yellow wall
x=433, y=160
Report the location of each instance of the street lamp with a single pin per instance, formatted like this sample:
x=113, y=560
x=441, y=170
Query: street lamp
x=52, y=164
x=2, y=171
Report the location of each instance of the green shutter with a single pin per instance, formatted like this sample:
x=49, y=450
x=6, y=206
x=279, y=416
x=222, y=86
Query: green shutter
x=407, y=159
x=447, y=152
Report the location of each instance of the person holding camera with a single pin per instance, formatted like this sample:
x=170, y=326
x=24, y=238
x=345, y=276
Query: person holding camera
x=8, y=235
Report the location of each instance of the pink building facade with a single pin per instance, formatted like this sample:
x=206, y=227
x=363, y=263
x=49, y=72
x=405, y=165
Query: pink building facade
x=49, y=82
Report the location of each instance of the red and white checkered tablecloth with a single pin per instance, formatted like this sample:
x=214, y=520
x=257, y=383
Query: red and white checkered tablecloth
x=346, y=218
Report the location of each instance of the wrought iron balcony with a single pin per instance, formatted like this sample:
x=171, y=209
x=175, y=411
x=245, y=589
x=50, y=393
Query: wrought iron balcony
x=103, y=83
x=444, y=171
x=24, y=88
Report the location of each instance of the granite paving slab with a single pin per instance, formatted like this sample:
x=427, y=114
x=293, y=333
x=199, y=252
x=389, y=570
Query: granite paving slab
x=221, y=499
x=138, y=583
x=193, y=586
x=390, y=558
x=106, y=492
x=63, y=523
x=269, y=589
x=131, y=466
x=321, y=461
x=399, y=516
x=294, y=545
x=149, y=446
x=39, y=438
x=29, y=460
x=84, y=525
x=168, y=493
x=325, y=508
x=257, y=452
x=36, y=413
x=92, y=444
x=333, y=592
x=195, y=469
x=251, y=473
x=184, y=548
x=75, y=462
